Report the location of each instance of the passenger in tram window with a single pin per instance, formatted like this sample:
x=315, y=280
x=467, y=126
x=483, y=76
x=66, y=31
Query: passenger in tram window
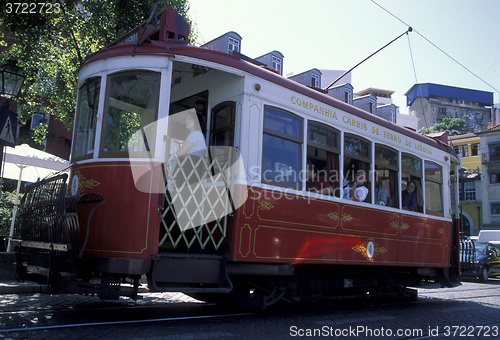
x=412, y=197
x=355, y=190
x=190, y=153
x=318, y=181
x=380, y=194
x=195, y=143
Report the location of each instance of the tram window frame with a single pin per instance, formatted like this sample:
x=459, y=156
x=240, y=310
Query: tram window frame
x=216, y=130
x=433, y=186
x=386, y=176
x=274, y=175
x=321, y=155
x=363, y=163
x=226, y=130
x=151, y=135
x=412, y=174
x=90, y=122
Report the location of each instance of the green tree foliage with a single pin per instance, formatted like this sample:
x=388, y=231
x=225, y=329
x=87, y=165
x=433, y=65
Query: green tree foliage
x=51, y=46
x=6, y=206
x=452, y=125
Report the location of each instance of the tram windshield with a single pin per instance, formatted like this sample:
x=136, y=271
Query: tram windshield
x=85, y=129
x=132, y=103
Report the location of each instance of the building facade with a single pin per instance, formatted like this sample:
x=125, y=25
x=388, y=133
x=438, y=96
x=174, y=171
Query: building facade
x=467, y=146
x=432, y=102
x=490, y=179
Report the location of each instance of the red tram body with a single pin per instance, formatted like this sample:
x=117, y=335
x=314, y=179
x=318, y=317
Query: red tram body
x=281, y=241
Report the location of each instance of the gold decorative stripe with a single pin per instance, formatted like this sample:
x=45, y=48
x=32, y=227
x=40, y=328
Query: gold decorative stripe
x=266, y=205
x=405, y=226
x=333, y=215
x=347, y=218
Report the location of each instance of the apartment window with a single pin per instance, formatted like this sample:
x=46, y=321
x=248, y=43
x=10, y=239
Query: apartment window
x=469, y=191
x=315, y=80
x=494, y=178
x=233, y=45
x=464, y=150
x=474, y=149
x=494, y=152
x=277, y=64
x=495, y=208
x=281, y=153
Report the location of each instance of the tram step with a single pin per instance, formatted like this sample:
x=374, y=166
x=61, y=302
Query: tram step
x=194, y=273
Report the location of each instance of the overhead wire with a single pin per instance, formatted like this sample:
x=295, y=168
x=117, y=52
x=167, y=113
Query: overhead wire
x=416, y=82
x=437, y=47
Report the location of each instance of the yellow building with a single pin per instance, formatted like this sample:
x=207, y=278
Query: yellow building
x=467, y=147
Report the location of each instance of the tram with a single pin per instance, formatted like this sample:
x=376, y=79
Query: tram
x=265, y=213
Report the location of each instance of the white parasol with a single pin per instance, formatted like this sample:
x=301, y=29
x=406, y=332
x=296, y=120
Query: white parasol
x=25, y=163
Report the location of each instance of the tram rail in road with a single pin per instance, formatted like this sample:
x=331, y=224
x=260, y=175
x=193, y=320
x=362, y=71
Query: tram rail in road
x=437, y=313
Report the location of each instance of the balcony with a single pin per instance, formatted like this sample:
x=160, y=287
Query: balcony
x=490, y=158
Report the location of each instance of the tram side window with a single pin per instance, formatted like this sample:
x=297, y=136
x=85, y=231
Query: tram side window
x=433, y=189
x=132, y=103
x=357, y=159
x=88, y=103
x=411, y=183
x=386, y=176
x=322, y=159
x=281, y=151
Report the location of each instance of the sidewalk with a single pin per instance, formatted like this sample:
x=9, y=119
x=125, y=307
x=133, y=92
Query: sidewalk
x=15, y=287
x=8, y=282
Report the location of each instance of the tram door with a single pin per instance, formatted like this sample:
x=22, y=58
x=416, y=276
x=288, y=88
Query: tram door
x=177, y=128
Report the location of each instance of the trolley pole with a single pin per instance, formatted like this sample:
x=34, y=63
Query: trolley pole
x=371, y=55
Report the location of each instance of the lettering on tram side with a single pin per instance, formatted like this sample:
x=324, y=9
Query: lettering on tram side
x=352, y=122
x=355, y=123
x=314, y=107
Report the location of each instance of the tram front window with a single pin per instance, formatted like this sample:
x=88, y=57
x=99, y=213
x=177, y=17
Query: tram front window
x=88, y=102
x=131, y=105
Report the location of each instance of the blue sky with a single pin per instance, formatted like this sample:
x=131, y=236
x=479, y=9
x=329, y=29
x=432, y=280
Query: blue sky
x=337, y=34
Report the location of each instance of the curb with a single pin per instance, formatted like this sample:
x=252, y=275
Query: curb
x=14, y=287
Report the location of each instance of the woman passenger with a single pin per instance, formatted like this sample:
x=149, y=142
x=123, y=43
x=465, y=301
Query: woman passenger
x=412, y=196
